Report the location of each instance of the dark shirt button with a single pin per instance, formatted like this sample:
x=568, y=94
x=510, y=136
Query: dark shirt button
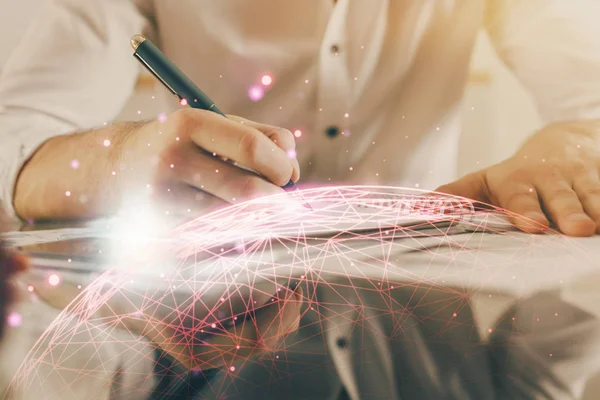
x=332, y=131
x=342, y=343
x=335, y=49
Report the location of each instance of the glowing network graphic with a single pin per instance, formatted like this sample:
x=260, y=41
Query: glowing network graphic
x=370, y=262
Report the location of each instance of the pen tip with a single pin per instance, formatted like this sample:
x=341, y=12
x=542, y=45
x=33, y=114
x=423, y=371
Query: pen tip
x=136, y=40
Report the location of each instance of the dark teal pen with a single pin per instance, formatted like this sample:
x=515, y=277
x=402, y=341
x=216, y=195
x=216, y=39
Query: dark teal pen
x=174, y=79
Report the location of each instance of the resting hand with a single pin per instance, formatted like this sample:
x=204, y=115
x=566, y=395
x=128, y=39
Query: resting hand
x=553, y=179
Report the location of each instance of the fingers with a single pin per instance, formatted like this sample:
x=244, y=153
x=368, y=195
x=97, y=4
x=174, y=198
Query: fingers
x=221, y=179
x=564, y=207
x=182, y=199
x=587, y=188
x=283, y=138
x=238, y=142
x=522, y=199
x=471, y=186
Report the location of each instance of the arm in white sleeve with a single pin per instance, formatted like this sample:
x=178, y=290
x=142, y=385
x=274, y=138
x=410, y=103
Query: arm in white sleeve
x=73, y=70
x=553, y=46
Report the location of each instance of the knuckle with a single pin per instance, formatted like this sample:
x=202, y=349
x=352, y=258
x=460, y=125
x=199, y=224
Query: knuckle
x=590, y=193
x=577, y=166
x=285, y=135
x=560, y=193
x=515, y=197
x=515, y=176
x=551, y=170
x=249, y=146
x=186, y=119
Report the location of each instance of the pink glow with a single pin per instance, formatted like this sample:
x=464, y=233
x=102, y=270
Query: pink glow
x=266, y=80
x=75, y=164
x=256, y=93
x=14, y=320
x=162, y=118
x=297, y=133
x=53, y=280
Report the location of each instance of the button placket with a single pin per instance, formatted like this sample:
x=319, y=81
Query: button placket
x=334, y=90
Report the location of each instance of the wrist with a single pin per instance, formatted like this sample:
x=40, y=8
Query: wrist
x=68, y=177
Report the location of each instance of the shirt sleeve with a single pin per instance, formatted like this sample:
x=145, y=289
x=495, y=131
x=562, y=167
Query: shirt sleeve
x=73, y=70
x=553, y=46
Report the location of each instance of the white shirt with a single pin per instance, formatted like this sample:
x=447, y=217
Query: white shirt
x=389, y=74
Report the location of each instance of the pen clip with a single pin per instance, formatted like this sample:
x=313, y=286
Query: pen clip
x=157, y=76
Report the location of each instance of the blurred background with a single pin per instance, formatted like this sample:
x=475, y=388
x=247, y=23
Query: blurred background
x=498, y=113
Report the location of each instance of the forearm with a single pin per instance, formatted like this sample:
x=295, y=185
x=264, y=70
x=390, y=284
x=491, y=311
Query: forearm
x=71, y=177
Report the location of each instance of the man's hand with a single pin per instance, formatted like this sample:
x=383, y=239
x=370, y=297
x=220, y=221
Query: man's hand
x=185, y=164
x=553, y=178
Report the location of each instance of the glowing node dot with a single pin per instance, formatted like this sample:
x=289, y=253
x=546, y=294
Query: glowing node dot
x=172, y=165
x=306, y=81
x=217, y=171
x=256, y=93
x=106, y=142
x=297, y=133
x=14, y=320
x=30, y=288
x=213, y=326
x=78, y=286
x=454, y=315
x=237, y=347
x=266, y=80
x=162, y=118
x=550, y=354
x=139, y=112
x=351, y=168
x=183, y=102
x=53, y=280
x=291, y=153
x=232, y=368
x=114, y=173
x=68, y=193
x=490, y=330
x=346, y=115
x=75, y=164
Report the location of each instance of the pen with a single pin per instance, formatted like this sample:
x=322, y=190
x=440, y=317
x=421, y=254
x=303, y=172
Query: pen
x=175, y=80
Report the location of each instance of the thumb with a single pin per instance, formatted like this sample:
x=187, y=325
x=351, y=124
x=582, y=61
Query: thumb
x=472, y=186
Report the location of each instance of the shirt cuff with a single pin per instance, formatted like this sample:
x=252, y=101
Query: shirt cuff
x=22, y=133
